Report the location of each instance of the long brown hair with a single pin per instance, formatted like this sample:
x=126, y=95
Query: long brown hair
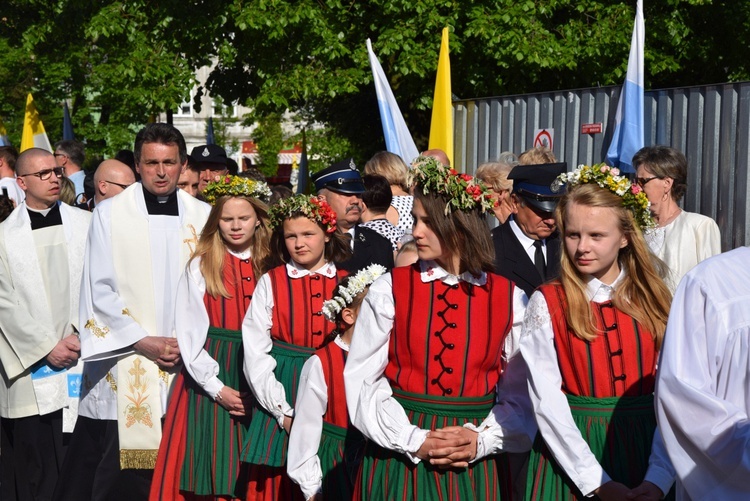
x=211, y=248
x=463, y=233
x=642, y=294
x=336, y=249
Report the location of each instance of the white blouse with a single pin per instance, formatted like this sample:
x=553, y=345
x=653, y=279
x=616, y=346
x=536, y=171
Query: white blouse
x=303, y=464
x=703, y=382
x=257, y=343
x=509, y=426
x=684, y=242
x=551, y=407
x=192, y=323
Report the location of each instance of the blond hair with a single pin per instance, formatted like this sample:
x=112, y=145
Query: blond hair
x=211, y=248
x=67, y=191
x=391, y=167
x=537, y=155
x=495, y=175
x=642, y=294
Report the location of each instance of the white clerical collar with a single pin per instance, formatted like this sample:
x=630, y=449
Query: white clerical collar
x=598, y=292
x=526, y=242
x=296, y=271
x=432, y=271
x=241, y=255
x=43, y=212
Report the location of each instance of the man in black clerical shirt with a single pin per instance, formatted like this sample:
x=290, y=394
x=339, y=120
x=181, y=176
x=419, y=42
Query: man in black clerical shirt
x=136, y=252
x=41, y=260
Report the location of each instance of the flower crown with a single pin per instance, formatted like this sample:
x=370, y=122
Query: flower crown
x=463, y=191
x=236, y=186
x=357, y=284
x=609, y=178
x=311, y=207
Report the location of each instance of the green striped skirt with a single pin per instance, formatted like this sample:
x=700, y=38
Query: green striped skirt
x=386, y=474
x=340, y=454
x=214, y=439
x=619, y=432
x=267, y=442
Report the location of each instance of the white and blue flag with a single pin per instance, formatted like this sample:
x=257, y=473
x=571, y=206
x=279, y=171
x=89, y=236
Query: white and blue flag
x=628, y=137
x=398, y=140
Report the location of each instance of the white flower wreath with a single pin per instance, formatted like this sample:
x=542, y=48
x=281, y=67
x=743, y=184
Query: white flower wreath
x=357, y=284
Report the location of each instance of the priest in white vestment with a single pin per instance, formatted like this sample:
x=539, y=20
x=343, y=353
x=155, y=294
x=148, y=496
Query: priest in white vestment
x=41, y=261
x=137, y=249
x=703, y=380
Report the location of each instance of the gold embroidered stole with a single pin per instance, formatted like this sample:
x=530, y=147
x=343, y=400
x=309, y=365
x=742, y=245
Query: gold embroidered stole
x=139, y=380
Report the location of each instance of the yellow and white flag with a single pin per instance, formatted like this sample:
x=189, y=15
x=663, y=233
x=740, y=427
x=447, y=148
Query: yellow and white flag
x=441, y=126
x=33, y=130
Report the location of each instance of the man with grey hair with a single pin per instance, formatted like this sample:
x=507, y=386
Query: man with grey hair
x=70, y=155
x=41, y=261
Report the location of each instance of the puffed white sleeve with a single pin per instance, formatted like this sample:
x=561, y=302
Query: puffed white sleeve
x=107, y=330
x=510, y=426
x=702, y=380
x=303, y=464
x=191, y=324
x=708, y=239
x=551, y=408
x=259, y=364
x=369, y=397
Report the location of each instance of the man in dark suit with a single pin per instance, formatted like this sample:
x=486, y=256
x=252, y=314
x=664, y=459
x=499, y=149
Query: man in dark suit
x=527, y=246
x=341, y=186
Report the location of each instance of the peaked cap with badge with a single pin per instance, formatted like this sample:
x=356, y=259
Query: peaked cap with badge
x=538, y=185
x=341, y=177
x=209, y=154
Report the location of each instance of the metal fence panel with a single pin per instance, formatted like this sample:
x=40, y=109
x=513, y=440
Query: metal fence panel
x=710, y=124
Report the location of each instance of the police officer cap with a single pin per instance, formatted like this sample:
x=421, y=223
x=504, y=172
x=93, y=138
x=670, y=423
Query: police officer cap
x=537, y=184
x=341, y=177
x=209, y=154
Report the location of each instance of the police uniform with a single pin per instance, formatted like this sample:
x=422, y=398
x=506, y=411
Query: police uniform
x=536, y=185
x=369, y=247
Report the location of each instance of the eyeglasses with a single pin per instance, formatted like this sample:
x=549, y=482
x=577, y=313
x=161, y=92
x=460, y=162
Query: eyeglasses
x=47, y=173
x=123, y=186
x=60, y=155
x=643, y=181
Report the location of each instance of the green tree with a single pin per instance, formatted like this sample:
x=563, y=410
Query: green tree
x=269, y=139
x=120, y=63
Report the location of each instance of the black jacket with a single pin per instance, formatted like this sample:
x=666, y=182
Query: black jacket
x=512, y=261
x=369, y=248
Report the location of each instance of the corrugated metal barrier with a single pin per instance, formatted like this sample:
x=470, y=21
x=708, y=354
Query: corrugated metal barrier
x=710, y=124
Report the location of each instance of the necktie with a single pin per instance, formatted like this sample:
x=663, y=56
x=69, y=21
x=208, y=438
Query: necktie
x=541, y=267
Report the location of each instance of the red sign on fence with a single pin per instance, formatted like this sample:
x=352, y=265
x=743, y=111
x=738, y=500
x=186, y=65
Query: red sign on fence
x=595, y=128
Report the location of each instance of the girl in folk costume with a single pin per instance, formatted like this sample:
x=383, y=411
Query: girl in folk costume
x=432, y=378
x=322, y=445
x=591, y=341
x=209, y=411
x=283, y=327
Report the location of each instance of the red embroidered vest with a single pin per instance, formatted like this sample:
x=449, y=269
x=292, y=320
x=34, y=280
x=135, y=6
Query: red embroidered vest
x=447, y=340
x=296, y=316
x=239, y=281
x=333, y=358
x=620, y=362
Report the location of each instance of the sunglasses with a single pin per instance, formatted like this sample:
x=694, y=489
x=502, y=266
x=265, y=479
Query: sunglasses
x=643, y=181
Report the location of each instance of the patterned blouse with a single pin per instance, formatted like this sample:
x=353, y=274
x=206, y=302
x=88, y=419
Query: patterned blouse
x=386, y=228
